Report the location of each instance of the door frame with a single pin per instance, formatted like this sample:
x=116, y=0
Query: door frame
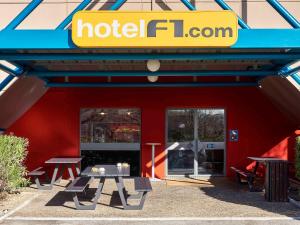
x=225, y=143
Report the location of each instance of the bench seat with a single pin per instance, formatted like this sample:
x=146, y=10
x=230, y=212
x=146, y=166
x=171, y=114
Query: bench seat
x=37, y=172
x=142, y=184
x=78, y=185
x=247, y=175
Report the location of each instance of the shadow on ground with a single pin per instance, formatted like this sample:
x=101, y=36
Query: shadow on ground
x=229, y=191
x=61, y=197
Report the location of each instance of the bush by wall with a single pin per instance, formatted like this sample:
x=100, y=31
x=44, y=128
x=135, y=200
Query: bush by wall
x=297, y=158
x=13, y=151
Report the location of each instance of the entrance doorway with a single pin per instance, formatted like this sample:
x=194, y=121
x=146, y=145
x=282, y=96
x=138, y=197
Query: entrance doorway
x=110, y=136
x=195, y=142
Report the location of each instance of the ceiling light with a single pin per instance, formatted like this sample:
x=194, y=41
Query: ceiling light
x=153, y=65
x=152, y=78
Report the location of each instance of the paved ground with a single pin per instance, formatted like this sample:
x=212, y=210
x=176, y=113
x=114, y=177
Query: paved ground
x=218, y=201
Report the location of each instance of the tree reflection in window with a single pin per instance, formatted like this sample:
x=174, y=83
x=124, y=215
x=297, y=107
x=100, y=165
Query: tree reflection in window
x=110, y=125
x=211, y=125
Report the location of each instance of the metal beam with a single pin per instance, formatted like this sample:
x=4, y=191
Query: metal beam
x=61, y=39
x=290, y=68
x=19, y=70
x=224, y=6
x=6, y=81
x=68, y=20
x=117, y=4
x=284, y=13
x=188, y=4
x=194, y=84
x=23, y=14
x=258, y=73
x=146, y=56
x=296, y=77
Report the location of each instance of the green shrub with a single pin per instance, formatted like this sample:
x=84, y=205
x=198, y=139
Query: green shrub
x=297, y=158
x=13, y=151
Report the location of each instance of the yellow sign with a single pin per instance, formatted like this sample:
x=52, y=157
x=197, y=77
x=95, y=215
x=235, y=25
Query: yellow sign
x=107, y=29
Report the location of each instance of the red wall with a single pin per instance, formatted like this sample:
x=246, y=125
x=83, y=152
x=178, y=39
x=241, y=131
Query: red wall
x=52, y=124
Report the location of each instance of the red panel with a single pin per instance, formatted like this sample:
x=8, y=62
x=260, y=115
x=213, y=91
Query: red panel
x=52, y=124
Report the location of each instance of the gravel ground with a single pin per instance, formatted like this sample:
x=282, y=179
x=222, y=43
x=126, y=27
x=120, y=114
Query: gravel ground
x=217, y=198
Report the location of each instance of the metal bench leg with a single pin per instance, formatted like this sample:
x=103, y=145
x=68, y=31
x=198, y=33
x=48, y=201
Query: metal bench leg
x=121, y=190
x=140, y=205
x=136, y=196
x=70, y=170
x=61, y=172
x=54, y=174
x=41, y=187
x=77, y=169
x=238, y=176
x=99, y=190
x=80, y=206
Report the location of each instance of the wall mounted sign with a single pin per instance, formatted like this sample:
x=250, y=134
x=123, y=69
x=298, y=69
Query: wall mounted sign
x=107, y=29
x=233, y=135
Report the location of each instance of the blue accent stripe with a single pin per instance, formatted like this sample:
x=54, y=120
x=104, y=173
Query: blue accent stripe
x=23, y=14
x=284, y=13
x=117, y=4
x=296, y=77
x=6, y=81
x=224, y=6
x=188, y=4
x=61, y=39
x=68, y=20
x=196, y=84
x=146, y=73
x=19, y=70
x=143, y=56
x=288, y=69
x=2, y=129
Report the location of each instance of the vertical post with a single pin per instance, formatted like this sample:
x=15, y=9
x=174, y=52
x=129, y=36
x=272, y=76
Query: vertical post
x=153, y=162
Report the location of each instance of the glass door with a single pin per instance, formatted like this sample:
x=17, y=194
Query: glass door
x=196, y=141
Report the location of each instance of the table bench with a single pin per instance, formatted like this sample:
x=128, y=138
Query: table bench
x=78, y=186
x=246, y=175
x=142, y=185
x=37, y=174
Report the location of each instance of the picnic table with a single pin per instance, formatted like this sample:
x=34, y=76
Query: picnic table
x=276, y=177
x=102, y=172
x=63, y=162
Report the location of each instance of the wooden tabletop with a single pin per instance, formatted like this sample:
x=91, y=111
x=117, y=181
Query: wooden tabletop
x=266, y=159
x=64, y=160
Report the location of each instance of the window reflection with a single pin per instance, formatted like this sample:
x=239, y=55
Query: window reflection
x=211, y=125
x=110, y=125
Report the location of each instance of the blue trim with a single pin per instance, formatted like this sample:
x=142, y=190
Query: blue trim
x=288, y=70
x=117, y=4
x=196, y=84
x=224, y=6
x=16, y=72
x=296, y=77
x=61, y=39
x=284, y=13
x=188, y=4
x=6, y=81
x=145, y=56
x=23, y=14
x=68, y=20
x=2, y=129
x=146, y=73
